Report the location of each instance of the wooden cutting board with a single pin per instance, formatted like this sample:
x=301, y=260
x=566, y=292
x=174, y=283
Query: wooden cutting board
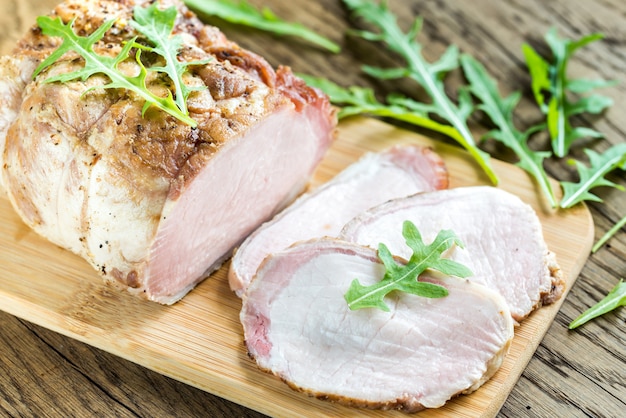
x=199, y=340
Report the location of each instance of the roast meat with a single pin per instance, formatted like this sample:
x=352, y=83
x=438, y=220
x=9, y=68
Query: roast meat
x=151, y=203
x=297, y=325
x=374, y=179
x=503, y=239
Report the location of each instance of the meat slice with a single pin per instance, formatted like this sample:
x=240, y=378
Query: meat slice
x=374, y=179
x=504, y=245
x=297, y=325
x=152, y=203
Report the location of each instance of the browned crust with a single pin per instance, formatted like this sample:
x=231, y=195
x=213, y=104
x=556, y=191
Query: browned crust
x=400, y=404
x=405, y=404
x=156, y=144
x=558, y=281
x=248, y=61
x=440, y=169
x=557, y=287
x=297, y=90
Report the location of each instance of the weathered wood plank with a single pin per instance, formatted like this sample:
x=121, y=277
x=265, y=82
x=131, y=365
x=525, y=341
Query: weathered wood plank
x=52, y=375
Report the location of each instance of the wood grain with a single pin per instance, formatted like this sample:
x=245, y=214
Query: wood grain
x=574, y=374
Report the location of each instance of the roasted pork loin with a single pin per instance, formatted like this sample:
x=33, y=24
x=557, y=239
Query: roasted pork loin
x=297, y=325
x=148, y=201
x=503, y=239
x=374, y=179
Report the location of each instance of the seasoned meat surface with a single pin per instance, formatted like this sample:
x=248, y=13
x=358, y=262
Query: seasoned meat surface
x=149, y=201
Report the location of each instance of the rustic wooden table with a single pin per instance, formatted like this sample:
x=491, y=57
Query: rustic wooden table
x=573, y=373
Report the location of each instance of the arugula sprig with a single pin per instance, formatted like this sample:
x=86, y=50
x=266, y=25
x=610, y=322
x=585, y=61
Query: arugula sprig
x=101, y=64
x=594, y=175
x=355, y=100
x=157, y=26
x=428, y=75
x=404, y=277
x=613, y=300
x=550, y=85
x=500, y=111
x=244, y=13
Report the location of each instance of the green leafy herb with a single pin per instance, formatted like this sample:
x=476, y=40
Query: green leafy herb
x=404, y=278
x=593, y=176
x=100, y=64
x=550, y=86
x=500, y=110
x=429, y=75
x=356, y=100
x=607, y=236
x=245, y=14
x=615, y=299
x=157, y=26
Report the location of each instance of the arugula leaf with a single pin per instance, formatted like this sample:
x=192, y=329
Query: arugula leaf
x=353, y=100
x=593, y=176
x=550, y=86
x=539, y=70
x=614, y=299
x=500, y=111
x=157, y=26
x=359, y=100
x=100, y=64
x=404, y=278
x=245, y=14
x=619, y=225
x=428, y=75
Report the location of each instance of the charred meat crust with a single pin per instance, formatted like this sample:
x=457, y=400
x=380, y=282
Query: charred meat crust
x=558, y=281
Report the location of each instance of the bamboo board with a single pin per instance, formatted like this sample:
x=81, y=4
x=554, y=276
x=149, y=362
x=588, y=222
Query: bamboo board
x=199, y=340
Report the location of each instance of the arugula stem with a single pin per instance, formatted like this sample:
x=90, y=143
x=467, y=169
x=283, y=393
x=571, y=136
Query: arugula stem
x=500, y=111
x=619, y=225
x=462, y=134
x=561, y=128
x=534, y=170
x=420, y=71
x=417, y=120
x=411, y=274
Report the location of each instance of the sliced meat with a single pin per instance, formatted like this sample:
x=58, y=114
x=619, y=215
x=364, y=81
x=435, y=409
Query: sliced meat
x=504, y=245
x=374, y=179
x=297, y=325
x=151, y=203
